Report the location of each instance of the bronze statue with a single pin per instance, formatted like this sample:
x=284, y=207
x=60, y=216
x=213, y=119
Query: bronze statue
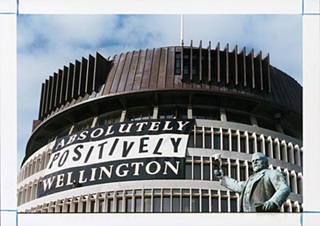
x=264, y=191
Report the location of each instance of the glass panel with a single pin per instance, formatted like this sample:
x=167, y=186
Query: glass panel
x=101, y=203
x=251, y=146
x=188, y=170
x=119, y=205
x=76, y=207
x=128, y=204
x=242, y=173
x=197, y=171
x=147, y=204
x=156, y=204
x=186, y=204
x=85, y=124
x=166, y=204
x=205, y=204
x=214, y=204
x=224, y=204
x=92, y=206
x=234, y=143
x=234, y=171
x=216, y=141
x=207, y=140
x=175, y=204
x=206, y=171
x=137, y=208
x=84, y=207
x=199, y=140
x=233, y=203
x=225, y=142
x=191, y=140
x=195, y=204
x=243, y=144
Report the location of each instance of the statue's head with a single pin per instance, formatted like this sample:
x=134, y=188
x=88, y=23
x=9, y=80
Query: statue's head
x=259, y=162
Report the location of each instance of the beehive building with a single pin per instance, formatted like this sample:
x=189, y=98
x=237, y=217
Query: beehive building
x=136, y=132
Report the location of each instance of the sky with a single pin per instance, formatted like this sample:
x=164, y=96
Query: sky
x=46, y=43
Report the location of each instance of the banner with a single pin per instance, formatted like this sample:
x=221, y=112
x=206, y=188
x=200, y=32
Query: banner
x=139, y=150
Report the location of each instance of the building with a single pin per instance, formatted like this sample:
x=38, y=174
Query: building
x=136, y=132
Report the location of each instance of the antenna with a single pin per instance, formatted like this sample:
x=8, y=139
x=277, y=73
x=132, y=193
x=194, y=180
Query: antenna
x=181, y=29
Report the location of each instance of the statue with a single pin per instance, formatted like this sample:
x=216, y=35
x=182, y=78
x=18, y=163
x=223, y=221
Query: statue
x=264, y=191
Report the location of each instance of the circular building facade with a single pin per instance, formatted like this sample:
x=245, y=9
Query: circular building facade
x=137, y=132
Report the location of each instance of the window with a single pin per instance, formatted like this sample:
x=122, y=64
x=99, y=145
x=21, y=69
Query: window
x=138, y=203
x=110, y=117
x=206, y=170
x=225, y=141
x=238, y=117
x=170, y=112
x=85, y=124
x=216, y=139
x=139, y=114
x=177, y=66
x=156, y=204
x=147, y=204
x=166, y=203
x=175, y=203
x=196, y=168
x=205, y=201
x=208, y=138
x=188, y=169
x=212, y=114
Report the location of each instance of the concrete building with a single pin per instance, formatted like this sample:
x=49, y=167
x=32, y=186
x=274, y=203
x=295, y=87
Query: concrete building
x=136, y=132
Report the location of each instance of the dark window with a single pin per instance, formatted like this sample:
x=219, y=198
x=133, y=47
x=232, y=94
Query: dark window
x=139, y=114
x=214, y=204
x=175, y=204
x=224, y=204
x=85, y=124
x=177, y=67
x=234, y=146
x=251, y=145
x=119, y=205
x=137, y=204
x=173, y=112
x=188, y=170
x=233, y=204
x=147, y=204
x=128, y=204
x=238, y=117
x=166, y=204
x=200, y=113
x=109, y=118
x=185, y=204
x=206, y=171
x=191, y=140
x=267, y=124
x=156, y=204
x=205, y=204
x=195, y=204
x=197, y=171
x=225, y=141
x=199, y=140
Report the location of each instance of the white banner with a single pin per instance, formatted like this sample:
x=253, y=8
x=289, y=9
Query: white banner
x=118, y=148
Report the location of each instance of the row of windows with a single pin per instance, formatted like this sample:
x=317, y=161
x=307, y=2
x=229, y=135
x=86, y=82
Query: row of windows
x=212, y=138
x=245, y=142
x=169, y=112
x=197, y=168
x=201, y=168
x=154, y=201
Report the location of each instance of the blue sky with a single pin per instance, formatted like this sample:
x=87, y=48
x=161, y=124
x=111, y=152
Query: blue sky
x=48, y=42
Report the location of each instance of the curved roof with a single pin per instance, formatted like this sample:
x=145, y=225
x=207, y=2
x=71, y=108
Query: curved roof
x=190, y=75
x=174, y=68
